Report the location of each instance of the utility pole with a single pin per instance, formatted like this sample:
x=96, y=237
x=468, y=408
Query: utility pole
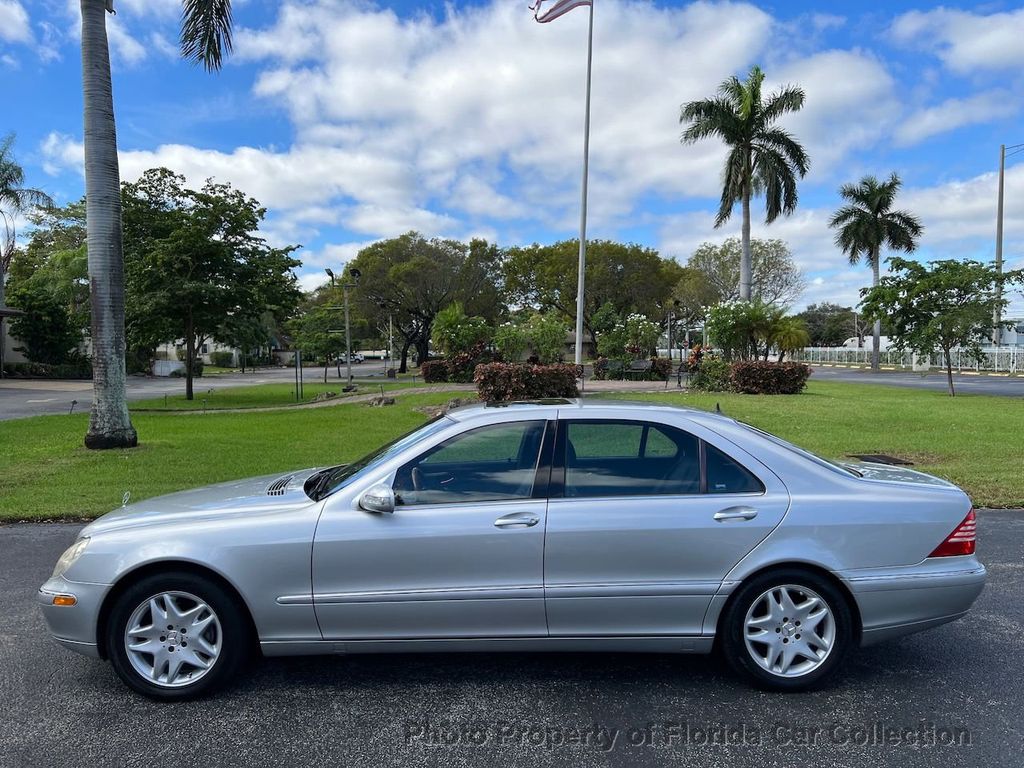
x=997, y=331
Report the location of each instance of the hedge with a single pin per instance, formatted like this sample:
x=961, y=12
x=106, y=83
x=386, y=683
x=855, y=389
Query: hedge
x=764, y=378
x=76, y=370
x=222, y=359
x=503, y=382
x=710, y=374
x=434, y=371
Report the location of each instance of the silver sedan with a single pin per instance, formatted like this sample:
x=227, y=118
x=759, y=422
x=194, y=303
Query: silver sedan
x=555, y=525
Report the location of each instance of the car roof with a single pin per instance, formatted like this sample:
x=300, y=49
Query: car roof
x=549, y=407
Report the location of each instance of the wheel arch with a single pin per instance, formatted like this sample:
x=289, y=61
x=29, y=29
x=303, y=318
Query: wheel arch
x=126, y=579
x=814, y=568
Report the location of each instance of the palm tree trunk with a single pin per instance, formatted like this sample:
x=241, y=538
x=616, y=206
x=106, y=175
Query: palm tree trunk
x=745, y=259
x=3, y=330
x=877, y=331
x=109, y=423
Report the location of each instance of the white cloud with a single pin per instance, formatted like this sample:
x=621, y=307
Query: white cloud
x=956, y=113
x=965, y=41
x=14, y=24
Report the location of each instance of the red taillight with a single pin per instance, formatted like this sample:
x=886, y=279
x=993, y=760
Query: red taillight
x=961, y=541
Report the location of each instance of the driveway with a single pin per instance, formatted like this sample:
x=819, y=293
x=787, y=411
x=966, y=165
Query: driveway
x=897, y=704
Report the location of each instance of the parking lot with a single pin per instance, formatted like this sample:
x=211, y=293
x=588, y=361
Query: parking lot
x=952, y=696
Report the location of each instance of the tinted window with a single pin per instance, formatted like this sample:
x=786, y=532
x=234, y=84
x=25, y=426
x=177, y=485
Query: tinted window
x=629, y=459
x=492, y=463
x=726, y=476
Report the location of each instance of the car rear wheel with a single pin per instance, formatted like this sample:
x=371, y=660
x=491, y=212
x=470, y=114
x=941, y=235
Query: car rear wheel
x=787, y=630
x=176, y=636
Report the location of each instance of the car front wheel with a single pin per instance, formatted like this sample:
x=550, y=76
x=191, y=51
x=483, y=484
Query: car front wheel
x=176, y=636
x=787, y=630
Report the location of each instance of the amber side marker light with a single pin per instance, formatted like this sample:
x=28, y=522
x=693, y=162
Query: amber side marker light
x=64, y=600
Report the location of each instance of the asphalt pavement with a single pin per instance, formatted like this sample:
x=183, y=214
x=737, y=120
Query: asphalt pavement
x=952, y=696
x=963, y=383
x=34, y=397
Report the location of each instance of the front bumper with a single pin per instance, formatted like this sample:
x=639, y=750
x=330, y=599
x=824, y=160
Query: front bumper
x=73, y=626
x=900, y=601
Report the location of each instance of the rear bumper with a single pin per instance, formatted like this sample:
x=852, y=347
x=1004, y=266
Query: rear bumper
x=74, y=626
x=900, y=601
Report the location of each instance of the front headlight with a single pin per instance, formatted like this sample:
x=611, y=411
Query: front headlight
x=71, y=554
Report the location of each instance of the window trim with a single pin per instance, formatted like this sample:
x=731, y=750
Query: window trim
x=556, y=489
x=541, y=481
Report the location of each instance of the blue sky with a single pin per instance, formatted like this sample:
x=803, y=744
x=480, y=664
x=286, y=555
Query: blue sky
x=353, y=121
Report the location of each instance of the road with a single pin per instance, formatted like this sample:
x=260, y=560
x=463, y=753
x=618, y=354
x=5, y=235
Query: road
x=963, y=679
x=1006, y=386
x=32, y=397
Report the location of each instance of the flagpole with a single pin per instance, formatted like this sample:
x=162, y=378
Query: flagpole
x=583, y=198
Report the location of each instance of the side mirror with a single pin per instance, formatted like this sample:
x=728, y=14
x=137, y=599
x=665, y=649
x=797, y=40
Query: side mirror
x=379, y=498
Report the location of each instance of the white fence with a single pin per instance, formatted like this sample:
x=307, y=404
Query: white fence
x=994, y=359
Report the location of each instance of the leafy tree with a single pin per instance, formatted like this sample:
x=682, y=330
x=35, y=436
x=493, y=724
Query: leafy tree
x=15, y=199
x=941, y=305
x=829, y=325
x=867, y=224
x=695, y=294
x=788, y=334
x=744, y=330
x=547, y=332
x=776, y=279
x=45, y=330
x=195, y=261
x=763, y=158
x=631, y=278
x=319, y=331
x=455, y=332
x=413, y=279
x=511, y=340
x=205, y=39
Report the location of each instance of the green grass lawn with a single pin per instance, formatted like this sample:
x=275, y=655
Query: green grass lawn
x=975, y=441
x=256, y=396
x=45, y=473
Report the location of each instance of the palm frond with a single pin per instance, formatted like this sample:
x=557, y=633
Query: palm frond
x=708, y=117
x=206, y=32
x=783, y=142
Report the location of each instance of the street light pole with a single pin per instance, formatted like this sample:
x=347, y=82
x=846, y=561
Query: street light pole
x=348, y=339
x=997, y=312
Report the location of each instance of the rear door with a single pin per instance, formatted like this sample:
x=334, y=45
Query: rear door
x=644, y=521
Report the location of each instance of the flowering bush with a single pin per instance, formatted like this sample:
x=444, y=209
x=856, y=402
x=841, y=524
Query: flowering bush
x=511, y=341
x=502, y=382
x=546, y=333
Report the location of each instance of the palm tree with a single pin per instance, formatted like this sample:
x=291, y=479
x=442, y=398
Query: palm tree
x=790, y=333
x=867, y=224
x=205, y=39
x=763, y=159
x=15, y=198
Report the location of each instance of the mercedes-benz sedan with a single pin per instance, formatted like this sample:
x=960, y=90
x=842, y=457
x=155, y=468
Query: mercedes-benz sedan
x=555, y=525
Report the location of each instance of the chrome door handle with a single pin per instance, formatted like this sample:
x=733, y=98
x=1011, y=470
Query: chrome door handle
x=517, y=520
x=736, y=513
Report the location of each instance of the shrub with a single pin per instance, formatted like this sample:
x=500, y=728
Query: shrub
x=761, y=378
x=710, y=374
x=222, y=359
x=455, y=332
x=547, y=336
x=502, y=382
x=661, y=368
x=79, y=368
x=511, y=341
x=601, y=368
x=434, y=371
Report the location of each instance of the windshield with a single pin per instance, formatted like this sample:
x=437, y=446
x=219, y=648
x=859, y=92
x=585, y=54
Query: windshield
x=326, y=482
x=802, y=452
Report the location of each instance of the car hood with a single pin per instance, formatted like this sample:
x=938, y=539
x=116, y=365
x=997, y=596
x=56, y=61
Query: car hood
x=255, y=495
x=892, y=473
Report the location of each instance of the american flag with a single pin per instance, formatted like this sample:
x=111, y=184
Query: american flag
x=558, y=8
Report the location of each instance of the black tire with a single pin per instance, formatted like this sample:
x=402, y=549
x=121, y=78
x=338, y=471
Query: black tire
x=234, y=635
x=732, y=627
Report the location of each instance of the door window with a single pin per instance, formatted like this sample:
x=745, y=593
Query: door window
x=607, y=458
x=726, y=476
x=492, y=463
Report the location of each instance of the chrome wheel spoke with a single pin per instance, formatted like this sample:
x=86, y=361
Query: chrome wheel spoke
x=789, y=630
x=173, y=639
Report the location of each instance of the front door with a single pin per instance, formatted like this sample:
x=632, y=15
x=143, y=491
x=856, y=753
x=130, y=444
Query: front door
x=644, y=523
x=461, y=556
